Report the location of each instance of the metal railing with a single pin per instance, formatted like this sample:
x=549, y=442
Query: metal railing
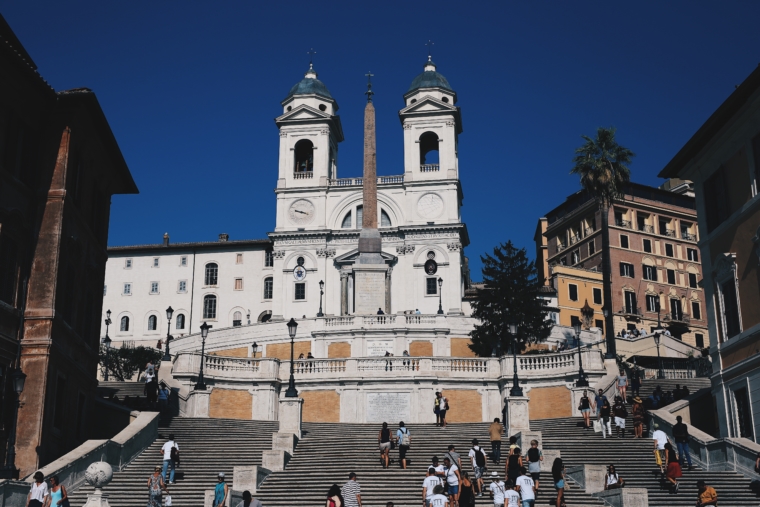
x=676, y=317
x=429, y=168
x=688, y=236
x=630, y=310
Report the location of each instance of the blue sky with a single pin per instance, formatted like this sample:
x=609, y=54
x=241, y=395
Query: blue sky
x=191, y=89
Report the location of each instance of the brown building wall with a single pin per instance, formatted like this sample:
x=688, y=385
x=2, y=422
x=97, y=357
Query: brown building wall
x=339, y=349
x=230, y=404
x=460, y=348
x=281, y=351
x=465, y=405
x=238, y=352
x=421, y=349
x=321, y=406
x=549, y=402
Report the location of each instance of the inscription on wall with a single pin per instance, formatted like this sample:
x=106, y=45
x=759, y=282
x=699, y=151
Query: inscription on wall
x=379, y=347
x=388, y=407
x=370, y=291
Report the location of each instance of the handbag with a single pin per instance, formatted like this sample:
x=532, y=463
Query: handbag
x=168, y=501
x=597, y=427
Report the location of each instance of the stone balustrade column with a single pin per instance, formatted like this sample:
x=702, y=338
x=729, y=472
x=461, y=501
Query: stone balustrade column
x=343, y=293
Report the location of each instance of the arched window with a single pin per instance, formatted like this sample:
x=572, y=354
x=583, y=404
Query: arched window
x=180, y=321
x=304, y=153
x=209, y=306
x=212, y=273
x=237, y=319
x=124, y=324
x=359, y=217
x=346, y=221
x=429, y=149
x=385, y=220
x=152, y=323
x=265, y=316
x=268, y=287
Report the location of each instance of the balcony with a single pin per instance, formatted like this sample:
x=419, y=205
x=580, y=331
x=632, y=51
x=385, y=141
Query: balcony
x=646, y=228
x=430, y=168
x=668, y=232
x=630, y=311
x=688, y=236
x=357, y=182
x=623, y=223
x=677, y=318
x=303, y=175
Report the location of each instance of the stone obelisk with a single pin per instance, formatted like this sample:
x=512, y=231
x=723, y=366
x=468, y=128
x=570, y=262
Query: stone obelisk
x=370, y=269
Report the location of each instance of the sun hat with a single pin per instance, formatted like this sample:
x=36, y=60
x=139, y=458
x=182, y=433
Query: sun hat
x=221, y=474
x=636, y=399
x=495, y=475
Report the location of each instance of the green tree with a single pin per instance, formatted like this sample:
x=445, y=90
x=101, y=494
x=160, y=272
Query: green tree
x=124, y=362
x=602, y=165
x=511, y=294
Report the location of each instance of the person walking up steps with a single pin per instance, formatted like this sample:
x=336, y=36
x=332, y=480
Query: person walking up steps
x=452, y=479
x=512, y=496
x=660, y=439
x=170, y=450
x=466, y=491
x=514, y=463
x=404, y=440
x=384, y=442
x=495, y=431
x=498, y=490
x=558, y=474
x=428, y=486
x=673, y=472
x=439, y=499
x=478, y=460
x=454, y=455
x=535, y=457
x=156, y=486
x=681, y=436
x=352, y=492
x=249, y=501
x=527, y=488
x=334, y=497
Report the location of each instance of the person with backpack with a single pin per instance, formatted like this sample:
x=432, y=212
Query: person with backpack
x=404, y=441
x=478, y=460
x=170, y=450
x=620, y=413
x=535, y=457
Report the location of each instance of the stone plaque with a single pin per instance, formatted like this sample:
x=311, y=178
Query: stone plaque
x=369, y=289
x=389, y=407
x=379, y=347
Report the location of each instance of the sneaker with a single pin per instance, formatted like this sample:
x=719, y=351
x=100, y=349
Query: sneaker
x=675, y=490
x=480, y=494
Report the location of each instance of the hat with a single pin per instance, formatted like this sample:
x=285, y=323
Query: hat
x=157, y=468
x=636, y=399
x=221, y=475
x=494, y=475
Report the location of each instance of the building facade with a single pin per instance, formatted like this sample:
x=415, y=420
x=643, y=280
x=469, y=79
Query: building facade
x=654, y=257
x=723, y=160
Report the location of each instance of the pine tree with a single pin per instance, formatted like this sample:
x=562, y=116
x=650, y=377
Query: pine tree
x=511, y=294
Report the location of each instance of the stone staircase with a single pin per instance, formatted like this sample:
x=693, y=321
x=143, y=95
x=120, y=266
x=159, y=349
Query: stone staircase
x=634, y=461
x=694, y=385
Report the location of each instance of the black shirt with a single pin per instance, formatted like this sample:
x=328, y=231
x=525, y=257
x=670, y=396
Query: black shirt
x=681, y=433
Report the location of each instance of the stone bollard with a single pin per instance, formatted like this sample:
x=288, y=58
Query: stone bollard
x=524, y=438
x=290, y=416
x=625, y=497
x=284, y=442
x=549, y=456
x=589, y=477
x=98, y=475
x=248, y=478
x=518, y=415
x=276, y=461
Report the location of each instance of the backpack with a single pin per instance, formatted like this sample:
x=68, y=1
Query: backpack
x=480, y=459
x=174, y=453
x=404, y=438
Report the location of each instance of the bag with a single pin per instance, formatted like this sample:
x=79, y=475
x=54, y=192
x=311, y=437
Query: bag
x=393, y=444
x=597, y=426
x=174, y=454
x=168, y=501
x=480, y=460
x=404, y=438
x=657, y=458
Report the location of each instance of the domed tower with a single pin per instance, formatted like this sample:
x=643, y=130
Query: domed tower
x=432, y=124
x=310, y=132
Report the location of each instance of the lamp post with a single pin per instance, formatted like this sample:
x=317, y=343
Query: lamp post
x=516, y=389
x=582, y=380
x=107, y=343
x=9, y=471
x=440, y=296
x=201, y=385
x=321, y=292
x=660, y=373
x=169, y=313
x=255, y=348
x=291, y=392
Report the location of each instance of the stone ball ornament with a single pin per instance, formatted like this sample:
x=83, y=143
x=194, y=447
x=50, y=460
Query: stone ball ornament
x=98, y=474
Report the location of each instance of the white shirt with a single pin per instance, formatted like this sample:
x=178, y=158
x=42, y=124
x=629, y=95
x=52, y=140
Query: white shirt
x=612, y=479
x=438, y=469
x=167, y=449
x=149, y=377
x=149, y=369
x=661, y=438
x=451, y=476
x=498, y=490
x=513, y=498
x=39, y=492
x=430, y=483
x=526, y=487
x=439, y=501
x=472, y=452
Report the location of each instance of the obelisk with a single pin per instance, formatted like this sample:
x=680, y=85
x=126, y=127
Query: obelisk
x=370, y=269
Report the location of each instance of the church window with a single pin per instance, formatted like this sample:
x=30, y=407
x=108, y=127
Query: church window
x=359, y=216
x=290, y=108
x=572, y=291
x=212, y=273
x=237, y=319
x=346, y=224
x=445, y=99
x=304, y=153
x=180, y=321
x=300, y=291
x=238, y=284
x=431, y=286
x=322, y=107
x=429, y=149
x=268, y=259
x=154, y=287
x=413, y=101
x=268, y=287
x=155, y=262
x=124, y=326
x=209, y=306
x=152, y=323
x=127, y=289
x=182, y=286
x=127, y=263
x=183, y=261
x=385, y=220
x=431, y=255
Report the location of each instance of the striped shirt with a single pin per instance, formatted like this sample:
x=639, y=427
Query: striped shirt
x=349, y=491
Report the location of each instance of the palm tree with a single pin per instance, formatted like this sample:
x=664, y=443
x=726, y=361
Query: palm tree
x=602, y=166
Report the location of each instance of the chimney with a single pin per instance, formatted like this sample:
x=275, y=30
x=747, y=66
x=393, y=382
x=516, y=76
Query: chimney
x=166, y=239
x=223, y=237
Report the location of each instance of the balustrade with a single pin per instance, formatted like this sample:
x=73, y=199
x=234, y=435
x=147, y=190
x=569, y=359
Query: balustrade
x=357, y=182
x=308, y=366
x=338, y=321
x=373, y=320
x=420, y=319
x=303, y=175
x=428, y=168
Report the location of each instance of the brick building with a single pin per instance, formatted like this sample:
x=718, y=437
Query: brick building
x=654, y=258
x=59, y=166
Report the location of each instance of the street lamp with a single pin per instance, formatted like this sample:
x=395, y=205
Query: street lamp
x=9, y=471
x=107, y=342
x=201, y=385
x=440, y=295
x=291, y=392
x=660, y=373
x=321, y=291
x=516, y=389
x=255, y=348
x=582, y=380
x=169, y=313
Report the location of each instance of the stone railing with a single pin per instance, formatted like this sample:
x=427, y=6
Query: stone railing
x=303, y=175
x=374, y=320
x=357, y=182
x=428, y=168
x=308, y=366
x=189, y=364
x=378, y=320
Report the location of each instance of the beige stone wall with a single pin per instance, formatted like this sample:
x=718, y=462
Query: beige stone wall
x=465, y=405
x=421, y=349
x=549, y=402
x=320, y=406
x=230, y=404
x=281, y=351
x=238, y=352
x=340, y=349
x=460, y=347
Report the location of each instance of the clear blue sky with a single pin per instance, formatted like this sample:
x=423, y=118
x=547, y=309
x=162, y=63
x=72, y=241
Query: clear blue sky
x=191, y=88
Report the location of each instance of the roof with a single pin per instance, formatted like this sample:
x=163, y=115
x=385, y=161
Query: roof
x=310, y=85
x=430, y=78
x=206, y=245
x=12, y=45
x=713, y=125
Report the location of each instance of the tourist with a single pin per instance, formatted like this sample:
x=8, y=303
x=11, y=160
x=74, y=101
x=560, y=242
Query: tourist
x=635, y=382
x=437, y=408
x=334, y=497
x=514, y=464
x=681, y=436
x=558, y=475
x=38, y=494
x=707, y=495
x=677, y=393
x=384, y=443
x=380, y=311
x=757, y=463
x=612, y=480
x=443, y=406
x=535, y=457
x=454, y=455
x=249, y=501
x=170, y=451
x=404, y=440
x=512, y=445
x=526, y=487
x=58, y=493
x=638, y=417
x=585, y=408
x=300, y=356
x=684, y=392
x=466, y=491
x=439, y=499
x=155, y=488
x=498, y=490
x=351, y=492
x=439, y=471
x=620, y=413
x=660, y=439
x=512, y=497
x=495, y=430
x=417, y=312
x=150, y=369
x=605, y=417
x=452, y=478
x=429, y=484
x=478, y=460
x=221, y=490
x=673, y=471
x=163, y=398
x=622, y=385
x=599, y=399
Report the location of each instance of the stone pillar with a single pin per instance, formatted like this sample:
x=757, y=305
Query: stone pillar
x=369, y=284
x=589, y=477
x=198, y=403
x=388, y=290
x=276, y=461
x=518, y=415
x=248, y=478
x=524, y=438
x=284, y=442
x=291, y=413
x=343, y=292
x=625, y=497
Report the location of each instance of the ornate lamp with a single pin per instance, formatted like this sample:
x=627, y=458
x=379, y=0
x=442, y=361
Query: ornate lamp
x=291, y=392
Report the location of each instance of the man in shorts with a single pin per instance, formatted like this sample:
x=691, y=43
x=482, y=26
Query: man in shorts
x=620, y=413
x=452, y=478
x=478, y=460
